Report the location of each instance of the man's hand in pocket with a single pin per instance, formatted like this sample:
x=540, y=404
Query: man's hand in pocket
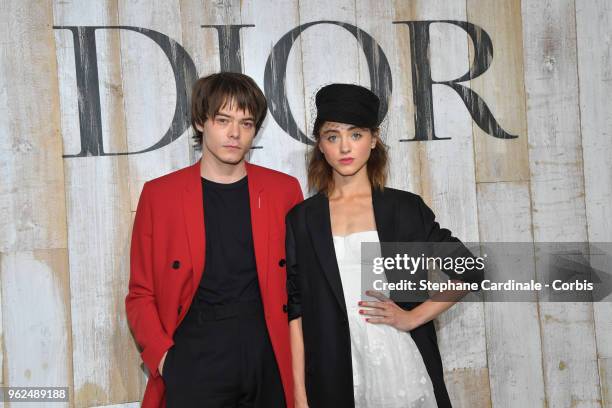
x=161, y=363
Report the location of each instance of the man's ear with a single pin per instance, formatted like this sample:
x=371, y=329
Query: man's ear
x=200, y=127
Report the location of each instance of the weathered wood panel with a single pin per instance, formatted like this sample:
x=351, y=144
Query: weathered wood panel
x=32, y=203
x=405, y=157
x=514, y=349
x=126, y=405
x=149, y=110
x=446, y=170
x=272, y=20
x=320, y=65
x=501, y=159
x=594, y=44
x=98, y=212
x=36, y=320
x=34, y=297
x=2, y=348
x=605, y=373
x=555, y=155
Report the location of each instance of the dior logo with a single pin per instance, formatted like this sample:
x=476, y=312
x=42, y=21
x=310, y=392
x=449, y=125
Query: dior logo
x=275, y=77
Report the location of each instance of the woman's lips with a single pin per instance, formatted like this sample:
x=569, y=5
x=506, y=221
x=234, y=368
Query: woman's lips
x=347, y=160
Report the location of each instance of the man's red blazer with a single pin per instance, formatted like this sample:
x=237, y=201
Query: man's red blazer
x=169, y=227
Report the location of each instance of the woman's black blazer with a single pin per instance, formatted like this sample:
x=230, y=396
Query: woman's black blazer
x=315, y=291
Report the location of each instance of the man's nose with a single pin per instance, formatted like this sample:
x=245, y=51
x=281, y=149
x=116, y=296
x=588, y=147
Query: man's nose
x=235, y=130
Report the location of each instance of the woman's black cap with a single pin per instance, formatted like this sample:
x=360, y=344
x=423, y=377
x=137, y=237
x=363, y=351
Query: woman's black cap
x=347, y=103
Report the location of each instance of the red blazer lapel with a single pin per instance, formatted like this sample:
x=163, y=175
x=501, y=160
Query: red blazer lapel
x=193, y=211
x=259, y=224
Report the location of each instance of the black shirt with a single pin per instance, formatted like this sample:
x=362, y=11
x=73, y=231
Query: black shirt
x=230, y=271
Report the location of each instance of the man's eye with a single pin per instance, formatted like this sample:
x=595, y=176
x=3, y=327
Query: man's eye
x=248, y=125
x=222, y=120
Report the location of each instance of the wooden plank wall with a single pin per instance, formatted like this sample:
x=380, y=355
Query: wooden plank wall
x=447, y=182
x=65, y=222
x=34, y=270
x=557, y=187
x=594, y=46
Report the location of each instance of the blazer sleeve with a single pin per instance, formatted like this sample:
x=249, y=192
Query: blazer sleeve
x=140, y=302
x=434, y=233
x=294, y=298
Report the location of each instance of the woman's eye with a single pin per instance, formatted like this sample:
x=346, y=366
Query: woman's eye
x=356, y=136
x=331, y=138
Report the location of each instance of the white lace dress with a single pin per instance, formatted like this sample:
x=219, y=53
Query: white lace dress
x=388, y=370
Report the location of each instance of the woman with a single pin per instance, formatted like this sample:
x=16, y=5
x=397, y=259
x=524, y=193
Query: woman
x=339, y=358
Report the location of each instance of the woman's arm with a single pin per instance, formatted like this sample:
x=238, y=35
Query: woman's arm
x=297, y=360
x=294, y=306
x=386, y=311
x=453, y=247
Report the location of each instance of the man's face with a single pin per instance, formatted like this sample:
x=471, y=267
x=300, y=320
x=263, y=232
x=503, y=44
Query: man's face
x=227, y=137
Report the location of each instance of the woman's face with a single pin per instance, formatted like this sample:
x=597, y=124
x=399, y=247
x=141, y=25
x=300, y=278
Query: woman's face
x=346, y=147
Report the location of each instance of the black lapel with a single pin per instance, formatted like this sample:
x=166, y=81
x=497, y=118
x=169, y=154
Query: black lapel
x=386, y=210
x=319, y=228
x=384, y=216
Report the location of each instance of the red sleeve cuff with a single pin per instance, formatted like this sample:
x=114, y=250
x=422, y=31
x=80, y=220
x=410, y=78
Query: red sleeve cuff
x=152, y=355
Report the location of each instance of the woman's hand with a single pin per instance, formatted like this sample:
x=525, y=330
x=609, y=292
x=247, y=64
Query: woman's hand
x=386, y=311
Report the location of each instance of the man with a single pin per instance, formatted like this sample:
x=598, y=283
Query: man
x=207, y=299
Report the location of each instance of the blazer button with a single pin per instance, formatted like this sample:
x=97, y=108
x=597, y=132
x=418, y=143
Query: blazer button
x=285, y=308
x=282, y=262
x=176, y=265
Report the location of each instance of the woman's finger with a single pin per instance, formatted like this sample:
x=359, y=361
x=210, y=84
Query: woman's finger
x=374, y=312
x=378, y=320
x=375, y=305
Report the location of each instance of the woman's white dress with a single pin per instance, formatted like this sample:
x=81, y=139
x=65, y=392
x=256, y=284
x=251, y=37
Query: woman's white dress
x=388, y=370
